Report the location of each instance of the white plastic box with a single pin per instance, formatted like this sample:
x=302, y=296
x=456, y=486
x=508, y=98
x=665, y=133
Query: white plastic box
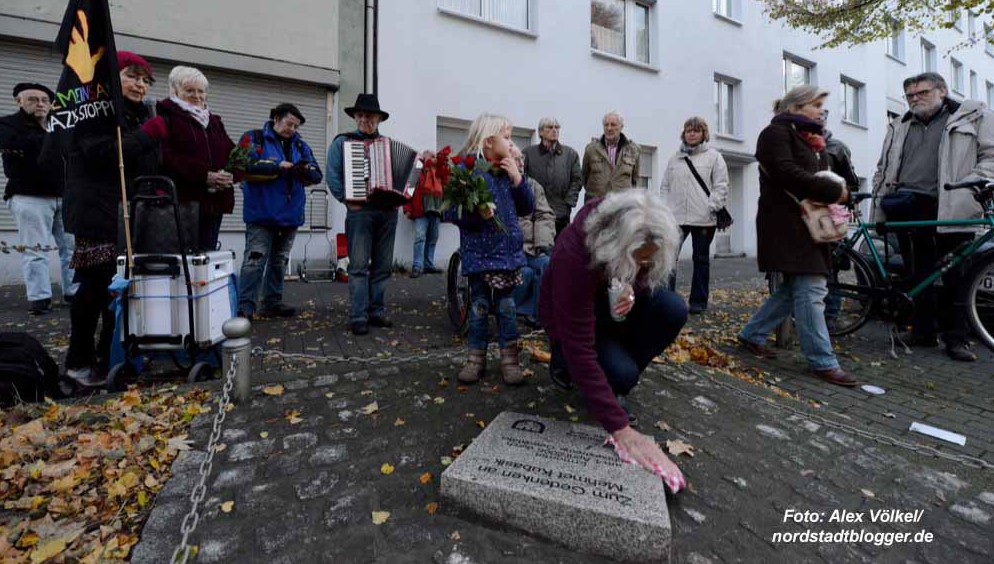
x=158, y=314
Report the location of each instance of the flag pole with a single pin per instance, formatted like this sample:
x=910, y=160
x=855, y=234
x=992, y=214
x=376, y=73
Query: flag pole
x=124, y=203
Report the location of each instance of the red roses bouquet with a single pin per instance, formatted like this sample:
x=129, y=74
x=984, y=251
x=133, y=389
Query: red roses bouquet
x=247, y=154
x=464, y=187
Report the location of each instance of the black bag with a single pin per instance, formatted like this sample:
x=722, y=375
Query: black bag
x=722, y=216
x=27, y=371
x=906, y=205
x=155, y=228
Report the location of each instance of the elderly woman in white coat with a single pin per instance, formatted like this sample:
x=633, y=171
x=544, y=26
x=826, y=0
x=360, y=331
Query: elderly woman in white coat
x=695, y=210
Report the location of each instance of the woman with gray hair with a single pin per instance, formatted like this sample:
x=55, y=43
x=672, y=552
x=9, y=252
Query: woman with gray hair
x=792, y=168
x=604, y=305
x=196, y=152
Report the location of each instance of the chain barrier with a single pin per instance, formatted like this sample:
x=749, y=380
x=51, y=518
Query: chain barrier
x=183, y=551
x=964, y=459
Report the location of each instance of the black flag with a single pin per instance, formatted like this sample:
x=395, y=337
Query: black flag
x=88, y=98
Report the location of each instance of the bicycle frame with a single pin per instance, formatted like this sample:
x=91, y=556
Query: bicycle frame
x=863, y=230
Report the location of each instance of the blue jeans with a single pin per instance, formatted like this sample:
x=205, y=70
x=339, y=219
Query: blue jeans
x=526, y=293
x=484, y=300
x=425, y=237
x=267, y=253
x=701, y=238
x=39, y=222
x=370, y=234
x=804, y=296
x=625, y=348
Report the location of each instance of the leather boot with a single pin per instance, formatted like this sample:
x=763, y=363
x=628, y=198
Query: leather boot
x=510, y=365
x=474, y=368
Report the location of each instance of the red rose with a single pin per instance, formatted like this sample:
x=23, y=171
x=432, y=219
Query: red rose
x=245, y=142
x=456, y=160
x=470, y=162
x=259, y=151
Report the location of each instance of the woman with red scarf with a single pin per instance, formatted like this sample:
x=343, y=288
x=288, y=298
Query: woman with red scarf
x=792, y=168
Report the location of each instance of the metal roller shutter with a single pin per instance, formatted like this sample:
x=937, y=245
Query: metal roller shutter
x=242, y=101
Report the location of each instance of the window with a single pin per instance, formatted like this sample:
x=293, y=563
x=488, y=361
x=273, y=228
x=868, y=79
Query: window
x=725, y=91
x=955, y=17
x=726, y=8
x=990, y=93
x=796, y=72
x=647, y=160
x=971, y=24
x=621, y=28
x=956, y=75
x=930, y=62
x=988, y=37
x=452, y=132
x=895, y=43
x=852, y=101
x=507, y=13
x=974, y=86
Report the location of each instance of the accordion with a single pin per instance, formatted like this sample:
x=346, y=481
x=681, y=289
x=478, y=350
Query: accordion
x=380, y=171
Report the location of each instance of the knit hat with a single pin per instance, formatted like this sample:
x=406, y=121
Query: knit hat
x=22, y=86
x=127, y=59
x=284, y=109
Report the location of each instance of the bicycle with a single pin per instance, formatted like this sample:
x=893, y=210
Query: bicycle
x=863, y=285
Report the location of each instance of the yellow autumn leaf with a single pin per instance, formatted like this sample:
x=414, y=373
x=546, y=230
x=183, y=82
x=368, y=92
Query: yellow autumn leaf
x=380, y=517
x=264, y=435
x=131, y=398
x=446, y=460
x=293, y=416
x=678, y=447
x=425, y=478
x=220, y=447
x=227, y=506
x=432, y=508
x=386, y=469
x=27, y=540
x=154, y=463
x=116, y=490
x=370, y=409
x=150, y=481
x=569, y=408
x=276, y=390
x=398, y=422
x=481, y=424
x=142, y=498
x=439, y=401
x=129, y=480
x=329, y=395
x=48, y=549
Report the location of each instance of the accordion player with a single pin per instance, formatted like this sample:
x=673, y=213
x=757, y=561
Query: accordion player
x=380, y=171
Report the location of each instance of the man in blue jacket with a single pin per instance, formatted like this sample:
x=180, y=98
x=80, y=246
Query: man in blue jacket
x=369, y=227
x=280, y=164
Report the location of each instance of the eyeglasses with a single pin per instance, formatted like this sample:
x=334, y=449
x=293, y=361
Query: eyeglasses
x=37, y=100
x=139, y=79
x=920, y=94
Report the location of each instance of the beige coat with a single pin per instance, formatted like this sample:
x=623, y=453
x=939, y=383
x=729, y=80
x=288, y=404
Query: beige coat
x=966, y=152
x=683, y=194
x=600, y=176
x=539, y=228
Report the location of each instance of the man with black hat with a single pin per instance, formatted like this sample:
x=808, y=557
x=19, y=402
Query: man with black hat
x=34, y=194
x=370, y=228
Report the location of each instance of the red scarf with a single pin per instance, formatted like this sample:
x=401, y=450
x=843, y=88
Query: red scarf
x=815, y=141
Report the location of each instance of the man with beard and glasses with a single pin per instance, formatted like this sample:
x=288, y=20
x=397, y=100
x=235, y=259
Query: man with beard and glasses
x=937, y=141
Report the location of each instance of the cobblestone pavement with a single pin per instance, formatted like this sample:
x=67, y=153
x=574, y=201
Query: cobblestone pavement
x=304, y=492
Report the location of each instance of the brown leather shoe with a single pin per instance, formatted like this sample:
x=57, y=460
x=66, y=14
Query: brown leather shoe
x=474, y=368
x=761, y=351
x=836, y=376
x=510, y=365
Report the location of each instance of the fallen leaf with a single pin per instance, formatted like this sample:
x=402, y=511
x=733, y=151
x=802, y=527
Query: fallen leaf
x=150, y=481
x=569, y=408
x=439, y=401
x=807, y=473
x=366, y=393
x=179, y=442
x=446, y=460
x=425, y=478
x=868, y=494
x=380, y=517
x=370, y=409
x=329, y=395
x=48, y=549
x=679, y=447
x=386, y=469
x=889, y=415
x=455, y=536
x=293, y=416
x=276, y=390
x=481, y=424
x=398, y=422
x=662, y=425
x=264, y=435
x=220, y=447
x=227, y=506
x=432, y=508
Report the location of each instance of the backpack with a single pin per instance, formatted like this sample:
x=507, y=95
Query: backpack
x=27, y=371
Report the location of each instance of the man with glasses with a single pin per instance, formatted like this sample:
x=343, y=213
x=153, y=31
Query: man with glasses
x=936, y=142
x=557, y=168
x=34, y=195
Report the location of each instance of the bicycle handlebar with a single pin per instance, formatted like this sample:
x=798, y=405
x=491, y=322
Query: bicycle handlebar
x=980, y=183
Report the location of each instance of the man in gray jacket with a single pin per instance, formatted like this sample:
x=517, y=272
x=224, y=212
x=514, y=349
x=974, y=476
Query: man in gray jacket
x=557, y=168
x=938, y=141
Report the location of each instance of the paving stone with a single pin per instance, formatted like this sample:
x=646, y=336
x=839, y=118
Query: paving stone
x=233, y=435
x=387, y=371
x=338, y=404
x=843, y=439
x=944, y=482
x=971, y=513
x=697, y=516
x=317, y=486
x=218, y=549
x=299, y=441
x=772, y=432
x=252, y=449
x=328, y=454
x=356, y=376
x=326, y=380
x=345, y=415
x=296, y=384
x=237, y=476
x=704, y=404
x=986, y=497
x=343, y=511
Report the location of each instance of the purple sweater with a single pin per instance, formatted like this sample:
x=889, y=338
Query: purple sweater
x=566, y=308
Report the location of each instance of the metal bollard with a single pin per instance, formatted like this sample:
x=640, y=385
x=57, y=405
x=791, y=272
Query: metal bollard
x=238, y=345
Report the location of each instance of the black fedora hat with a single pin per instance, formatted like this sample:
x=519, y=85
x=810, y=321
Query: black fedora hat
x=366, y=103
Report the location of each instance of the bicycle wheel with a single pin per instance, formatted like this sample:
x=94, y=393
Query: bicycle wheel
x=980, y=300
x=457, y=294
x=850, y=292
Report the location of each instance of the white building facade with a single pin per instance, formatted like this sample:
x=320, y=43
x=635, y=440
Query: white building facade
x=442, y=62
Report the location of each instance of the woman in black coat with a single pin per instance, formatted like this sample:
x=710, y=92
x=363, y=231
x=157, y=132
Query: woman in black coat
x=93, y=195
x=792, y=168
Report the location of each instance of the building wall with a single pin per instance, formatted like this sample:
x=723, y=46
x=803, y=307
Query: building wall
x=434, y=64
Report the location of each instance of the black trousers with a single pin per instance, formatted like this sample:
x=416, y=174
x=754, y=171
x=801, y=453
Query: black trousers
x=937, y=309
x=90, y=306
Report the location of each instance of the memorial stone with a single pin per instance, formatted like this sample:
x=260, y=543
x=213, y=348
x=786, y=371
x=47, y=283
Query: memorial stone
x=558, y=481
